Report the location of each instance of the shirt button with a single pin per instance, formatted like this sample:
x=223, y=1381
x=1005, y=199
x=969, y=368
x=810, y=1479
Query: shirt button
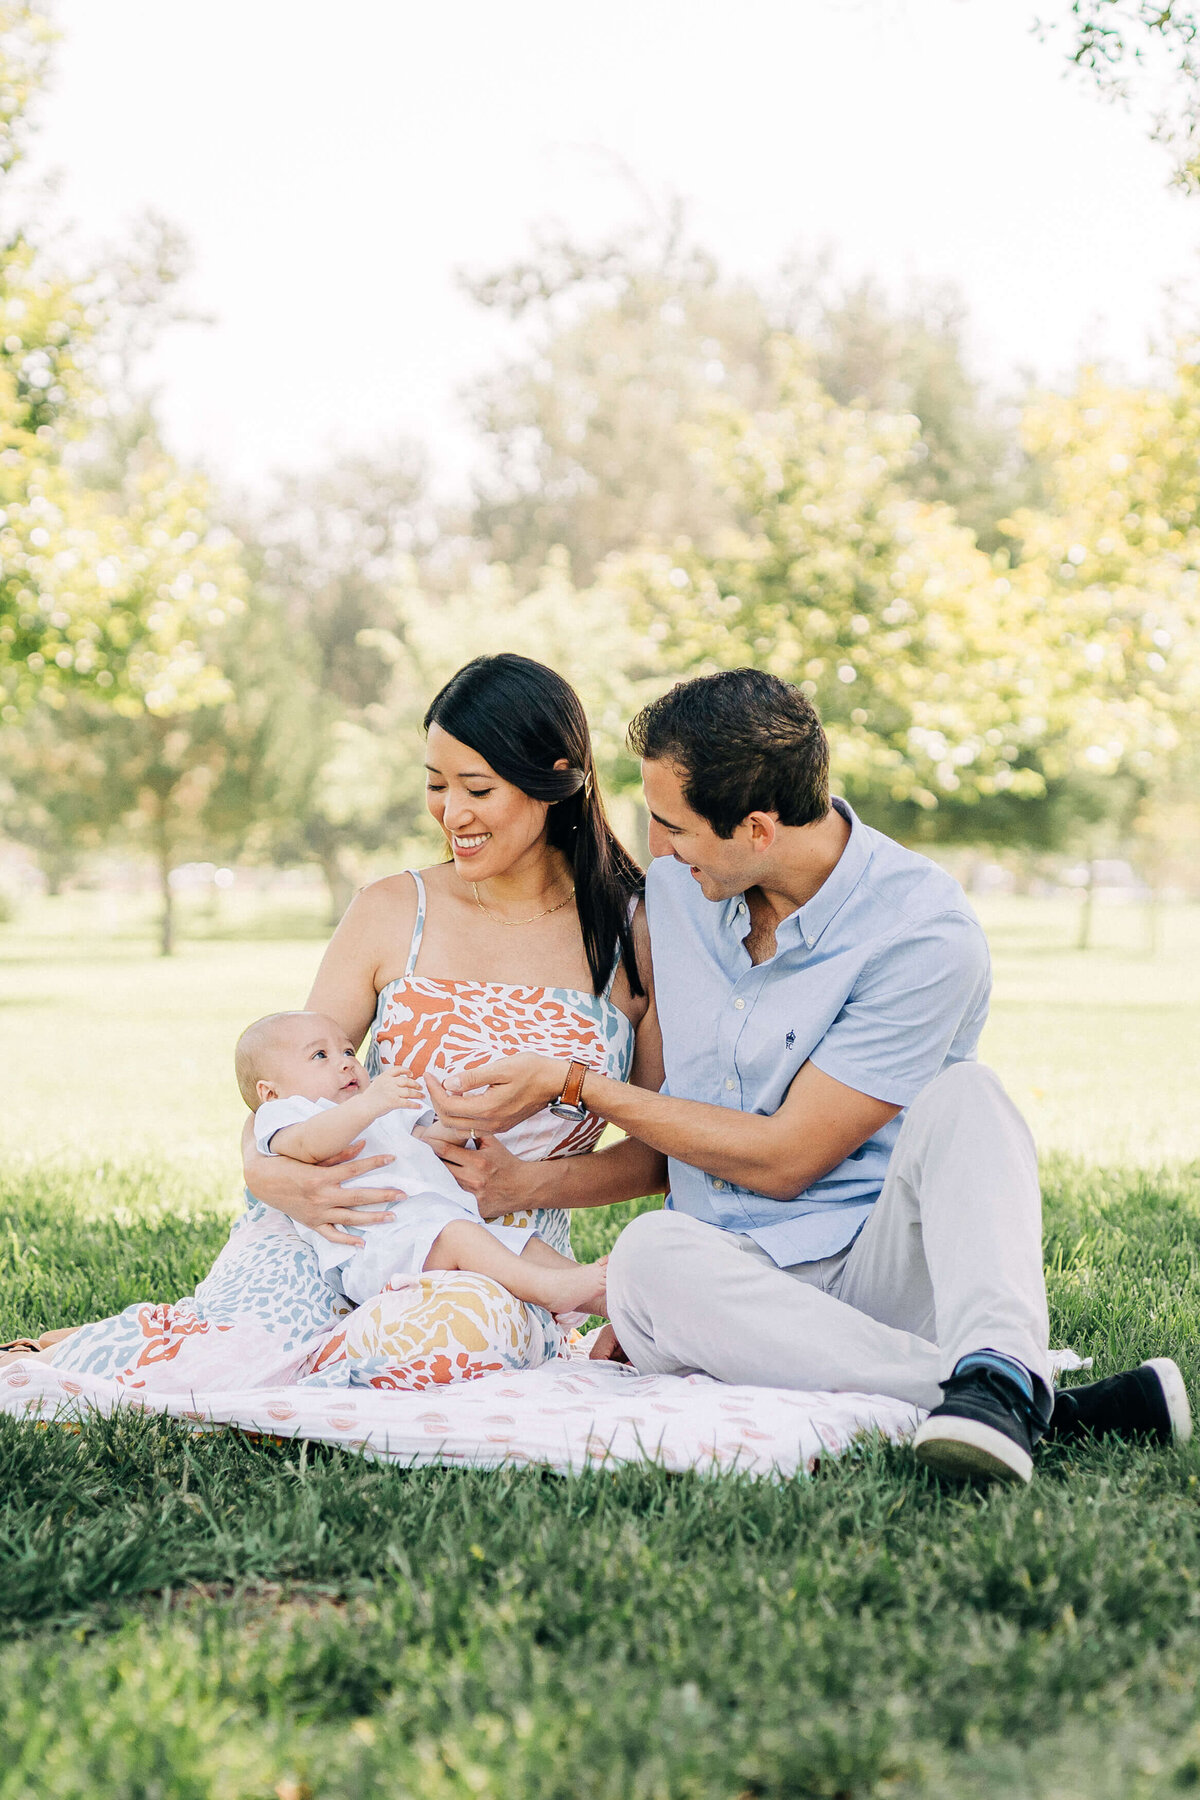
x=730, y=1082
x=740, y=1004
x=720, y=1186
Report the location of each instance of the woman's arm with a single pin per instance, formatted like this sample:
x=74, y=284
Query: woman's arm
x=351, y=973
x=312, y=1193
x=346, y=988
x=503, y=1183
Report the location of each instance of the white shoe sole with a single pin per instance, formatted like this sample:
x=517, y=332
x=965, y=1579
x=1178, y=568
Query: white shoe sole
x=968, y=1449
x=1175, y=1395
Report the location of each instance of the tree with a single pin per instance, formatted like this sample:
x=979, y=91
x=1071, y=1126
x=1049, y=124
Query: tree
x=633, y=341
x=158, y=691
x=879, y=605
x=631, y=338
x=1110, y=567
x=585, y=633
x=63, y=785
x=323, y=560
x=908, y=357
x=1127, y=46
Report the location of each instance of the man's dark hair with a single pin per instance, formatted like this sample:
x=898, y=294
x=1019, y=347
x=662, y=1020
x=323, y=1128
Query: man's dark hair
x=743, y=742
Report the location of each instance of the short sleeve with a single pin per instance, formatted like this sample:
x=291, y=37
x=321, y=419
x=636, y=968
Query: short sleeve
x=274, y=1115
x=913, y=1000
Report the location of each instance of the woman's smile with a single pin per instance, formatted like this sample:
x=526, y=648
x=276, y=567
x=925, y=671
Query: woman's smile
x=469, y=846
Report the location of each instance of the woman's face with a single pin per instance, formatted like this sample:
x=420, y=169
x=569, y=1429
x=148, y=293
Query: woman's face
x=491, y=825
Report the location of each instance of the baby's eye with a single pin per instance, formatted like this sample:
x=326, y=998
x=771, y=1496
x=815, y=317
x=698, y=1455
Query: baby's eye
x=318, y=1055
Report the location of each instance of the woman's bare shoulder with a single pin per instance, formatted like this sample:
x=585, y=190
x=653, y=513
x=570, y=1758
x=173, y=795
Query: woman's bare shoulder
x=389, y=904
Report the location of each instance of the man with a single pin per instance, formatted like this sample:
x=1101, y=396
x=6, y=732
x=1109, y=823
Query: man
x=854, y=1200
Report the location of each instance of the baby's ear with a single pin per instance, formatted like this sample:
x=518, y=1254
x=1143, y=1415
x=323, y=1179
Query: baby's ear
x=265, y=1091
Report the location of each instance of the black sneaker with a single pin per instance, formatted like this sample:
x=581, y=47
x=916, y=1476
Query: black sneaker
x=1147, y=1402
x=986, y=1428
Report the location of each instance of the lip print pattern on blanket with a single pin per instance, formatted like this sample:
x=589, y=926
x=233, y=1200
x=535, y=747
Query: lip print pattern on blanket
x=568, y=1415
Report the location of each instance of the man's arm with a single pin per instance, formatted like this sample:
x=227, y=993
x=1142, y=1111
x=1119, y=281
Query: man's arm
x=819, y=1124
x=891, y=1037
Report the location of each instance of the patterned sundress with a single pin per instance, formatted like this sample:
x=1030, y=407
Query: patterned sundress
x=264, y=1306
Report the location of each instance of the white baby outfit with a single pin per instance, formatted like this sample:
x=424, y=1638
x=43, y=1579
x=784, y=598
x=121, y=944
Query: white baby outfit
x=434, y=1200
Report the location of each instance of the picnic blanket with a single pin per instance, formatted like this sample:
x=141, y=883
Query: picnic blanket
x=567, y=1416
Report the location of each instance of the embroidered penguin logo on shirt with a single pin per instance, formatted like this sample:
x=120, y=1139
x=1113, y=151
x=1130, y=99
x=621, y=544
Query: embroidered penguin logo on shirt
x=789, y=1040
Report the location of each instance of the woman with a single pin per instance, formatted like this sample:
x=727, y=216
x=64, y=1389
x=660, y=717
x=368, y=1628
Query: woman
x=531, y=937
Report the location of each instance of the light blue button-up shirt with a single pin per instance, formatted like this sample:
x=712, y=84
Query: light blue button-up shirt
x=881, y=980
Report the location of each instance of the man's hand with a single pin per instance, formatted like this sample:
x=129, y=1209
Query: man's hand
x=500, y=1181
x=517, y=1087
x=605, y=1348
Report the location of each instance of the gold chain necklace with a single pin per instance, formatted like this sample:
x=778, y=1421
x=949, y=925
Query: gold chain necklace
x=497, y=920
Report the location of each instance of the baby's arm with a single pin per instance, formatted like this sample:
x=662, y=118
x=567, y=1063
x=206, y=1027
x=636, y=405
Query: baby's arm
x=315, y=1139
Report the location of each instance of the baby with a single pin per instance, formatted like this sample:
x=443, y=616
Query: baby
x=311, y=1097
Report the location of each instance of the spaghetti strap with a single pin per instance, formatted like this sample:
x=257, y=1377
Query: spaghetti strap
x=418, y=930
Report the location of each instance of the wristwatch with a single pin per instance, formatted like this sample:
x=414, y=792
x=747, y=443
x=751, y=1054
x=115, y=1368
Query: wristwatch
x=569, y=1104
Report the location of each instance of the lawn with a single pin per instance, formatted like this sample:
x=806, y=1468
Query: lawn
x=211, y=1618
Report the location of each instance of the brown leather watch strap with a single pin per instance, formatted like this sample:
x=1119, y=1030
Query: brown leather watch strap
x=573, y=1085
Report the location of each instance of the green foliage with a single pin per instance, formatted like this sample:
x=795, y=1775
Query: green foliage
x=95, y=596
x=1130, y=47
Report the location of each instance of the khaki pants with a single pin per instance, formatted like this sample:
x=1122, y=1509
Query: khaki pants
x=949, y=1261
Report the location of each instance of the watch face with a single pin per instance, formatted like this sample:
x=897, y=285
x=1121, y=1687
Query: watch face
x=562, y=1110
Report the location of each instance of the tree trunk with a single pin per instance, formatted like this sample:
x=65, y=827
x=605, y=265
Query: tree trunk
x=162, y=844
x=1153, y=916
x=1084, y=940
x=340, y=883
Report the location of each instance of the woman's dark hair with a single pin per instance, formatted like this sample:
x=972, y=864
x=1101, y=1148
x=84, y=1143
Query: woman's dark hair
x=743, y=742
x=522, y=718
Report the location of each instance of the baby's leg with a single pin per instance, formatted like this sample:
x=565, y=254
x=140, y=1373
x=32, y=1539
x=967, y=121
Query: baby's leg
x=539, y=1274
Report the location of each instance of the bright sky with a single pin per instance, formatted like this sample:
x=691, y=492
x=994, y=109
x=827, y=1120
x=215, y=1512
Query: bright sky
x=334, y=166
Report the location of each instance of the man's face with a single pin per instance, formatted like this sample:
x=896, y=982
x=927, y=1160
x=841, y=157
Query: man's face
x=722, y=866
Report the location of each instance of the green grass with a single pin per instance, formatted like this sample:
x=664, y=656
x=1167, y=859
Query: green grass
x=187, y=1618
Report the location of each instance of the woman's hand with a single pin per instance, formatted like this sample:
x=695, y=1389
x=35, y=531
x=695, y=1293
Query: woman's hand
x=313, y=1195
x=500, y=1181
x=517, y=1087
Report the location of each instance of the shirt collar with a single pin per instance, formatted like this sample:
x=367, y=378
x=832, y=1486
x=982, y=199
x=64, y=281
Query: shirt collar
x=810, y=920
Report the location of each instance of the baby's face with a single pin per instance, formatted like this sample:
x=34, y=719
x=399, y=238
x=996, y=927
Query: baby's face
x=312, y=1056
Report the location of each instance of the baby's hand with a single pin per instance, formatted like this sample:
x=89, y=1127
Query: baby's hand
x=396, y=1087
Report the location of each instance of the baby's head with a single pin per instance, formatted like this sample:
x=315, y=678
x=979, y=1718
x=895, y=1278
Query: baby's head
x=297, y=1053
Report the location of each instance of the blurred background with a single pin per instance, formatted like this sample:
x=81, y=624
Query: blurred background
x=857, y=341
